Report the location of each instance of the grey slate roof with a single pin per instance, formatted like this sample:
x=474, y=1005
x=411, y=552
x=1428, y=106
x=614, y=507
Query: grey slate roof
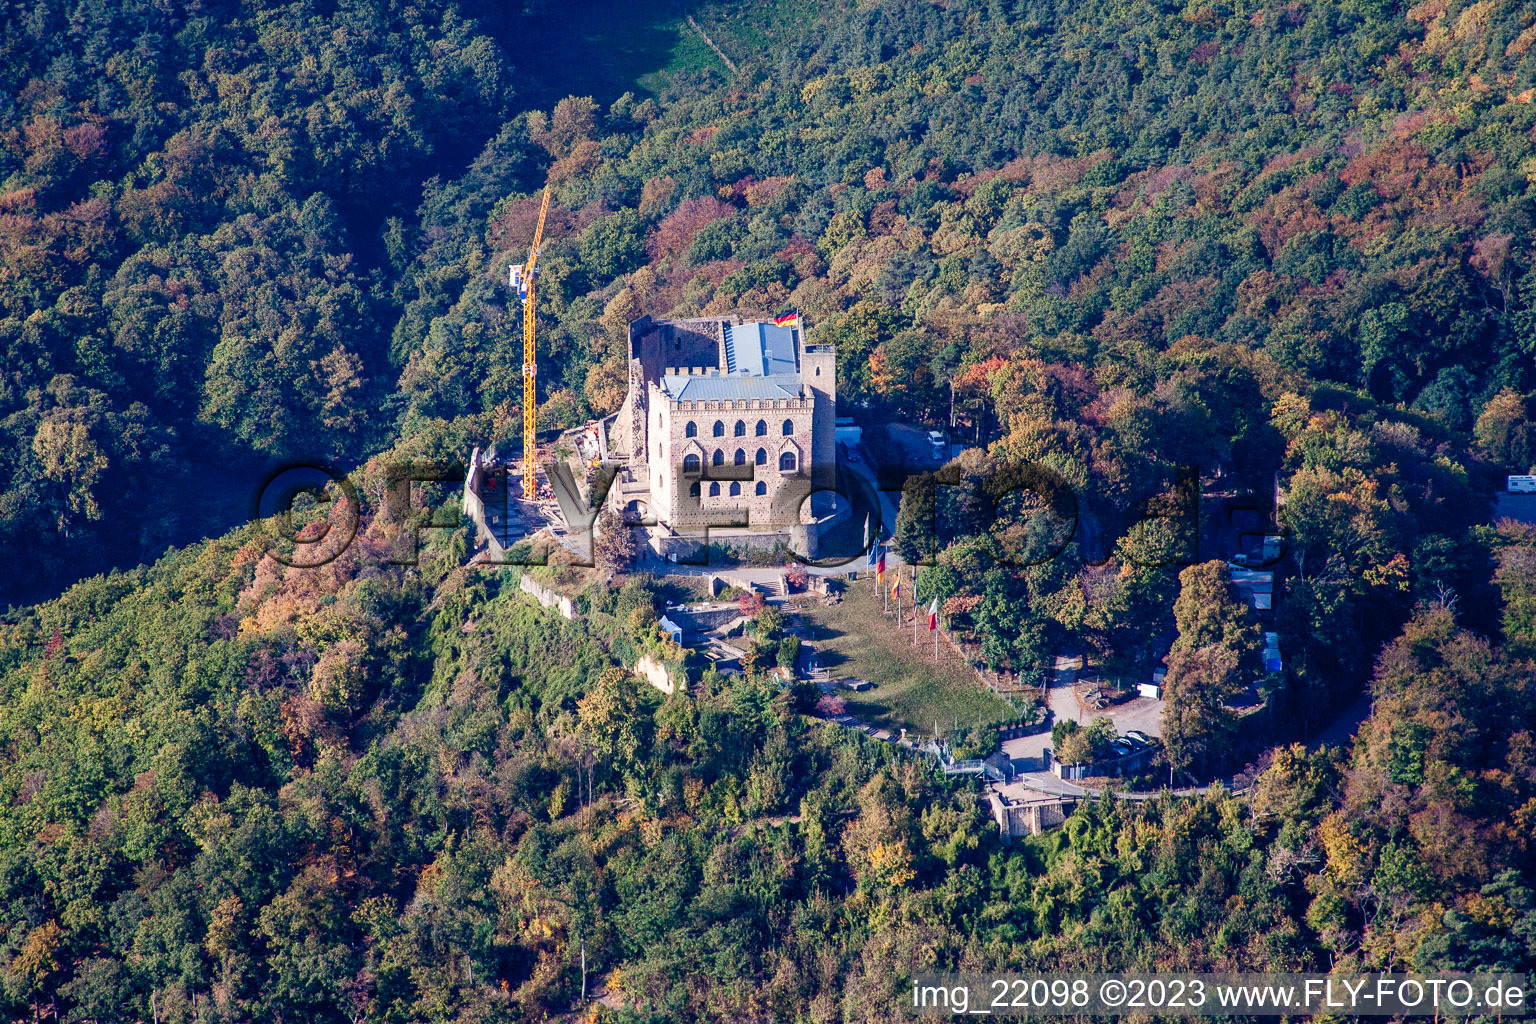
x=728, y=387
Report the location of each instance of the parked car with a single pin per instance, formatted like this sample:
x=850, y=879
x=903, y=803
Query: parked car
x=1138, y=736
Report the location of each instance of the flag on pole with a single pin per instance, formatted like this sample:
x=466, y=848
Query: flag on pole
x=880, y=567
x=787, y=320
x=933, y=615
x=896, y=586
x=915, y=608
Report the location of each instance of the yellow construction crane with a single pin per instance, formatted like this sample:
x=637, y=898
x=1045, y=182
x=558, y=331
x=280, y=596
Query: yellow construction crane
x=522, y=278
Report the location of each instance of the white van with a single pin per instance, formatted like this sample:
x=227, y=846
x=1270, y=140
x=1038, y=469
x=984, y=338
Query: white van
x=939, y=444
x=1522, y=485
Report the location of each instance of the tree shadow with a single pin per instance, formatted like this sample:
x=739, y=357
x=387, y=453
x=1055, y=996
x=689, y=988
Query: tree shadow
x=830, y=659
x=875, y=714
x=609, y=48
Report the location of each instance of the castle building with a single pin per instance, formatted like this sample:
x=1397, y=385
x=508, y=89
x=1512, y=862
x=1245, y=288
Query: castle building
x=727, y=423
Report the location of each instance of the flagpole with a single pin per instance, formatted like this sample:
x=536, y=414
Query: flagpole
x=885, y=598
x=933, y=627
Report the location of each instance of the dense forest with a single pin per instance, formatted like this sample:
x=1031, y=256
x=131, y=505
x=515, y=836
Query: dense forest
x=235, y=791
x=1121, y=230
x=195, y=246
x=1287, y=243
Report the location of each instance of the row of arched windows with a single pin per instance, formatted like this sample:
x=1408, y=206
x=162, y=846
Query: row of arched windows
x=740, y=430
x=714, y=489
x=692, y=464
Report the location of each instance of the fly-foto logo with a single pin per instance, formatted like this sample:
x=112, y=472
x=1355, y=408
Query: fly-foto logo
x=311, y=513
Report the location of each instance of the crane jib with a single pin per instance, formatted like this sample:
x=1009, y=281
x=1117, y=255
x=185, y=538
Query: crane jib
x=524, y=279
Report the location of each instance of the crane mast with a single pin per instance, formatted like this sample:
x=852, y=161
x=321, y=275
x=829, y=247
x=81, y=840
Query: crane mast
x=523, y=278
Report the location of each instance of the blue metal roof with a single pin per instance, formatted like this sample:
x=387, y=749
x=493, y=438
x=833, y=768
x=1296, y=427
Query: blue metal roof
x=759, y=349
x=730, y=387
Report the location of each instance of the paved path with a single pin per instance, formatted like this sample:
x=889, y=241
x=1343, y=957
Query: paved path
x=1030, y=783
x=1029, y=751
x=1341, y=731
x=890, y=501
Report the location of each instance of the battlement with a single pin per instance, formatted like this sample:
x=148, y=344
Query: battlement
x=704, y=405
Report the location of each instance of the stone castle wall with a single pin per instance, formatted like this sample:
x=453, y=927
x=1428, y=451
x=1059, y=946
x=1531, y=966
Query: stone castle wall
x=651, y=431
x=786, y=491
x=653, y=347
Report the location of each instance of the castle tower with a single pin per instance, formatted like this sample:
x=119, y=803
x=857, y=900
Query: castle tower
x=818, y=373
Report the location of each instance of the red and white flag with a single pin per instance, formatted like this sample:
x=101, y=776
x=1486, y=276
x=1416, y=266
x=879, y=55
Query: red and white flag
x=933, y=615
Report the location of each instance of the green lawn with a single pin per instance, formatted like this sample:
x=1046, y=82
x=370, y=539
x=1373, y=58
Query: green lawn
x=856, y=640
x=604, y=48
x=744, y=30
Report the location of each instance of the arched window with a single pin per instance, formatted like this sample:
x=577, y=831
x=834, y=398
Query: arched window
x=762, y=488
x=735, y=489
x=762, y=428
x=719, y=429
x=740, y=458
x=789, y=427
x=762, y=456
x=717, y=459
x=693, y=489
x=714, y=490
x=690, y=463
x=691, y=430
x=787, y=462
x=741, y=429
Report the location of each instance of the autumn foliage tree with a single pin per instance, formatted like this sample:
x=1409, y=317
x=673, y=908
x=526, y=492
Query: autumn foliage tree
x=1213, y=659
x=613, y=541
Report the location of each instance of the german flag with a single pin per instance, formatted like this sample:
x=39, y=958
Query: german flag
x=787, y=320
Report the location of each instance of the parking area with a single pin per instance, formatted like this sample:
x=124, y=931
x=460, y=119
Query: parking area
x=1140, y=714
x=914, y=445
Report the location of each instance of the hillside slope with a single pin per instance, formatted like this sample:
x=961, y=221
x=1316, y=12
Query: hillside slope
x=1292, y=242
x=232, y=791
